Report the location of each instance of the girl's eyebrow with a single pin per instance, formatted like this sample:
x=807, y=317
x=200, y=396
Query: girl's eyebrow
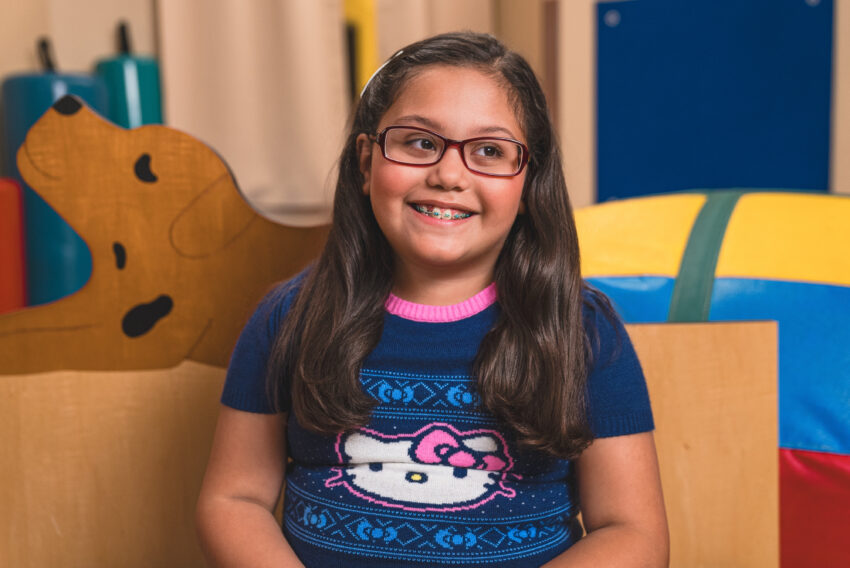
x=425, y=121
x=437, y=127
x=497, y=130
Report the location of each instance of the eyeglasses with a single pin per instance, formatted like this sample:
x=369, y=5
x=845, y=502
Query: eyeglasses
x=489, y=156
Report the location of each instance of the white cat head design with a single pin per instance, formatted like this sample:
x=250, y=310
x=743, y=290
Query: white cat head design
x=437, y=468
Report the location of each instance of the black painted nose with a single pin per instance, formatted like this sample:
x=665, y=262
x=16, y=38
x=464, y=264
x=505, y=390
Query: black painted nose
x=67, y=105
x=139, y=320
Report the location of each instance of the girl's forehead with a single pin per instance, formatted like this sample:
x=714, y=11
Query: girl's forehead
x=456, y=101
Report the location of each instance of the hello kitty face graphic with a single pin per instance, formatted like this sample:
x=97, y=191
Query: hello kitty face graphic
x=437, y=468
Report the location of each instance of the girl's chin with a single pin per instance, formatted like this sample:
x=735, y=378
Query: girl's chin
x=452, y=261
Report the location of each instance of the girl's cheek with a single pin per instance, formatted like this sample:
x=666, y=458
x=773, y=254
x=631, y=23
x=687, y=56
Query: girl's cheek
x=393, y=179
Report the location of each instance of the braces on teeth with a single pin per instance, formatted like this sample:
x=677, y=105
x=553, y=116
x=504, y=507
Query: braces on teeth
x=437, y=213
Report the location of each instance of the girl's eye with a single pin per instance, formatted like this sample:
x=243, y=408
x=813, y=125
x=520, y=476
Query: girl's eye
x=422, y=144
x=488, y=150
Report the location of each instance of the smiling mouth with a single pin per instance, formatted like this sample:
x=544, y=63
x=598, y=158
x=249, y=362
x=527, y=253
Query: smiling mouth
x=441, y=213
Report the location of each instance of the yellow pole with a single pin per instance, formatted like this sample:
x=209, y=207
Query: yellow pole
x=361, y=15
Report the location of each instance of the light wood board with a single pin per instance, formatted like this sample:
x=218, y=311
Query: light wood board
x=714, y=395
x=103, y=468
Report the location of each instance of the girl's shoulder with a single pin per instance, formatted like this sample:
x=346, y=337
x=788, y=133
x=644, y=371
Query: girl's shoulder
x=245, y=385
x=277, y=301
x=606, y=335
x=617, y=392
x=598, y=313
x=593, y=299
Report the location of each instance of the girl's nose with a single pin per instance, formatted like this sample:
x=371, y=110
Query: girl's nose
x=450, y=172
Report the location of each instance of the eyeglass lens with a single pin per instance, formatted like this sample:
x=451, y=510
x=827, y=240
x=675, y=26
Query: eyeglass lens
x=485, y=155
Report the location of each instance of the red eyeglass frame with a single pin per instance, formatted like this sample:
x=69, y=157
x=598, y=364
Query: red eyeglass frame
x=381, y=137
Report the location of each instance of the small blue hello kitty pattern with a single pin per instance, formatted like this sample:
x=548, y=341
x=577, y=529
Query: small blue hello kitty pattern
x=432, y=480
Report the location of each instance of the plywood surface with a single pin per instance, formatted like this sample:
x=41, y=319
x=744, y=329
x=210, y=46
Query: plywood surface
x=714, y=394
x=104, y=468
x=108, y=397
x=577, y=97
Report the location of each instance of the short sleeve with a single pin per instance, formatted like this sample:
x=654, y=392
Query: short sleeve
x=245, y=385
x=618, y=400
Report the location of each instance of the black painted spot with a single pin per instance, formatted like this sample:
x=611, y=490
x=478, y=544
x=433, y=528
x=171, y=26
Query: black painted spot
x=459, y=472
x=67, y=105
x=141, y=319
x=375, y=466
x=120, y=255
x=143, y=169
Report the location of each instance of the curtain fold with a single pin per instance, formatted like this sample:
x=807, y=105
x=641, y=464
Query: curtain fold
x=264, y=84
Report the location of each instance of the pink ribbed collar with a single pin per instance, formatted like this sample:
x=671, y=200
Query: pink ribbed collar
x=442, y=314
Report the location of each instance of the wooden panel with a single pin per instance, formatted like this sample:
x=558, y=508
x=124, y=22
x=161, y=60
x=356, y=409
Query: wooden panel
x=839, y=178
x=577, y=97
x=714, y=394
x=104, y=468
x=108, y=397
x=519, y=24
x=452, y=16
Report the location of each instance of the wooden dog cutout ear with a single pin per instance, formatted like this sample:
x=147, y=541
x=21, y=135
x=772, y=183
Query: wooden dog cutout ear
x=219, y=206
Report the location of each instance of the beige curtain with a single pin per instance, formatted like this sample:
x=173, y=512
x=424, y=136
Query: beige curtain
x=264, y=83
x=400, y=22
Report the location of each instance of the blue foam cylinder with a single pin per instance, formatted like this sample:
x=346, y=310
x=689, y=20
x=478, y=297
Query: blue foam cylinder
x=58, y=261
x=134, y=91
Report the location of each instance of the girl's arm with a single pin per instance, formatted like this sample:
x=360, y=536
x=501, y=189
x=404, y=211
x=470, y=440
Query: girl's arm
x=235, y=512
x=622, y=506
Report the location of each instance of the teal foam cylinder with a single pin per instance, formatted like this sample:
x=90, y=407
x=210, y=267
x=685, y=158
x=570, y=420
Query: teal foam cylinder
x=58, y=260
x=134, y=92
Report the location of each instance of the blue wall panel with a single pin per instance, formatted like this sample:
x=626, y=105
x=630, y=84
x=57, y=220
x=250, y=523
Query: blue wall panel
x=713, y=94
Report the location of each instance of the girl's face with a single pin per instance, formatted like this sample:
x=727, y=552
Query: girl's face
x=457, y=103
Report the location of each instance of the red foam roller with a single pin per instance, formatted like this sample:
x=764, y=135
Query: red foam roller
x=12, y=272
x=814, y=496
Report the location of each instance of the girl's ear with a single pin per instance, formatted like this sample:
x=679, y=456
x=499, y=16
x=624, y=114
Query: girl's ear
x=364, y=157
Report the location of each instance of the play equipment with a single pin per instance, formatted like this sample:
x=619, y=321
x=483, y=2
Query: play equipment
x=133, y=84
x=12, y=269
x=58, y=261
x=739, y=255
x=108, y=397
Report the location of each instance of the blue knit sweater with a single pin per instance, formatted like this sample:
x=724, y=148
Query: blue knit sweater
x=433, y=480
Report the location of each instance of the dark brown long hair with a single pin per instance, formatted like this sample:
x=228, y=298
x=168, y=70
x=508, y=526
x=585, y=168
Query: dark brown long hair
x=531, y=367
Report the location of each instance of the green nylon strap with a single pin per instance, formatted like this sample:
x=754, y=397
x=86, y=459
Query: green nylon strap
x=691, y=299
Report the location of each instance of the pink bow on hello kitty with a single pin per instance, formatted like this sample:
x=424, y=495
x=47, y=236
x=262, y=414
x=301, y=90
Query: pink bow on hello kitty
x=444, y=447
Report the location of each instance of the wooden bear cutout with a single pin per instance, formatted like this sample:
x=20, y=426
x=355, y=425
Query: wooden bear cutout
x=179, y=258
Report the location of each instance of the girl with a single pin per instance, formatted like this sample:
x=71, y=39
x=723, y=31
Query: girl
x=446, y=387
